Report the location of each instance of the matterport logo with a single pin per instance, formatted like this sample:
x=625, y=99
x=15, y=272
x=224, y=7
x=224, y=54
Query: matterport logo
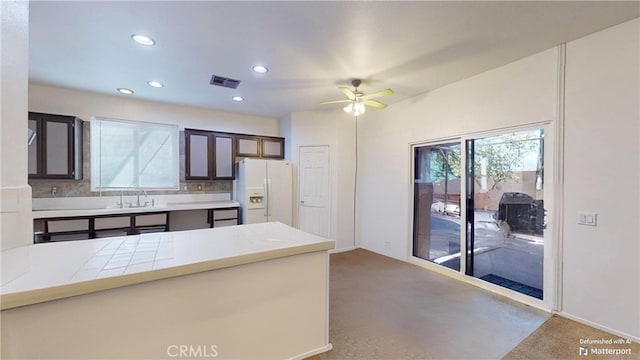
x=601, y=347
x=192, y=351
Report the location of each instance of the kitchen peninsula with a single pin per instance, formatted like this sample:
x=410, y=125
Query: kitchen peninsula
x=246, y=291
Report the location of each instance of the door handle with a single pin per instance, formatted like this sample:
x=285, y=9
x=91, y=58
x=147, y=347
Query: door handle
x=266, y=197
x=268, y=206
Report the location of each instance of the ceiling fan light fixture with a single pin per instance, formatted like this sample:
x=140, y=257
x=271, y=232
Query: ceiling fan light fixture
x=357, y=101
x=355, y=108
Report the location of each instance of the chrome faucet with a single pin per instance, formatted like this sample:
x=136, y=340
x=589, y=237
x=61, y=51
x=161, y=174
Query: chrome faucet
x=146, y=203
x=120, y=204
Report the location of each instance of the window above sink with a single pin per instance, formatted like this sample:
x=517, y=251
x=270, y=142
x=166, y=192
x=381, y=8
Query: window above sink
x=133, y=155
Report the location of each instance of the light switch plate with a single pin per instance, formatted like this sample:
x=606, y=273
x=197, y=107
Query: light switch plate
x=587, y=218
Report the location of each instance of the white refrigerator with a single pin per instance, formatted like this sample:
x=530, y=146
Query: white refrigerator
x=264, y=189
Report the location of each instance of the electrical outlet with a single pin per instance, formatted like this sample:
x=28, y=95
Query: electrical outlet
x=387, y=245
x=199, y=187
x=587, y=218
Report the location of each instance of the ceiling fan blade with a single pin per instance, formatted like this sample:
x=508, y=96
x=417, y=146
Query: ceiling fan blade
x=345, y=90
x=374, y=104
x=335, y=102
x=381, y=93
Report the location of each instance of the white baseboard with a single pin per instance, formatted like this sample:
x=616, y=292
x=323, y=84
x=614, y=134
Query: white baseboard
x=599, y=326
x=313, y=352
x=345, y=249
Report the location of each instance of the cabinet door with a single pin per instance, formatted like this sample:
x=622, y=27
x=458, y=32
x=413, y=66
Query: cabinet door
x=34, y=147
x=58, y=148
x=248, y=146
x=198, y=159
x=224, y=157
x=272, y=148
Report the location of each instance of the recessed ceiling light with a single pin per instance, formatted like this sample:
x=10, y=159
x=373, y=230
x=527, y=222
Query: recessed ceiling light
x=260, y=69
x=144, y=40
x=238, y=98
x=155, y=84
x=125, y=91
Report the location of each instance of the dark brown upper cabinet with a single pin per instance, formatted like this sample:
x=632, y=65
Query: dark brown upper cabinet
x=209, y=155
x=224, y=156
x=272, y=147
x=260, y=146
x=247, y=146
x=55, y=151
x=198, y=155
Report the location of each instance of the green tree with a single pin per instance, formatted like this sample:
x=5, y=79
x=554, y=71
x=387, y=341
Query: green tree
x=503, y=155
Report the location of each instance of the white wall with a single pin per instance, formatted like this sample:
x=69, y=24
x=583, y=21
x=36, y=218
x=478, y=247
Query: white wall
x=57, y=100
x=519, y=93
x=602, y=174
x=335, y=129
x=15, y=200
x=601, y=277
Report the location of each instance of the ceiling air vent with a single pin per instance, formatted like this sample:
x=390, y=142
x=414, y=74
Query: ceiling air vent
x=224, y=82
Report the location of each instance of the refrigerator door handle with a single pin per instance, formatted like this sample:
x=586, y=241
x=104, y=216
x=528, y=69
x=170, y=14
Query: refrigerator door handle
x=266, y=197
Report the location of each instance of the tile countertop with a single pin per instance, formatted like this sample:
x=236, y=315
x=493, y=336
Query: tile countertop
x=57, y=213
x=65, y=269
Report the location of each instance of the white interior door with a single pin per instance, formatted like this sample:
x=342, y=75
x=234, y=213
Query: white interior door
x=313, y=207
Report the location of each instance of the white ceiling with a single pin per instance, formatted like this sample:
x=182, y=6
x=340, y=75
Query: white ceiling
x=309, y=47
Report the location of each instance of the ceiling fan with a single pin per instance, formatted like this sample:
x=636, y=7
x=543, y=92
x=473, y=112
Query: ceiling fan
x=357, y=100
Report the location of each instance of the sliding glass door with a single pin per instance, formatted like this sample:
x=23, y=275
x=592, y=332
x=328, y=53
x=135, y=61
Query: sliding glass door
x=437, y=204
x=505, y=210
x=504, y=218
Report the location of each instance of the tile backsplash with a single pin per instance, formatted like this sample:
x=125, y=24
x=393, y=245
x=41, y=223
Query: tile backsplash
x=42, y=188
x=81, y=188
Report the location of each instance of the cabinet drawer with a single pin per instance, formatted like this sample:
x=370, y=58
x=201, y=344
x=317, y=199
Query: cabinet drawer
x=112, y=222
x=225, y=214
x=153, y=219
x=68, y=225
x=222, y=223
x=110, y=233
x=69, y=237
x=188, y=220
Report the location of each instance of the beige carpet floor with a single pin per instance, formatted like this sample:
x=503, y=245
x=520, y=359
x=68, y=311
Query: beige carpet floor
x=560, y=338
x=382, y=308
